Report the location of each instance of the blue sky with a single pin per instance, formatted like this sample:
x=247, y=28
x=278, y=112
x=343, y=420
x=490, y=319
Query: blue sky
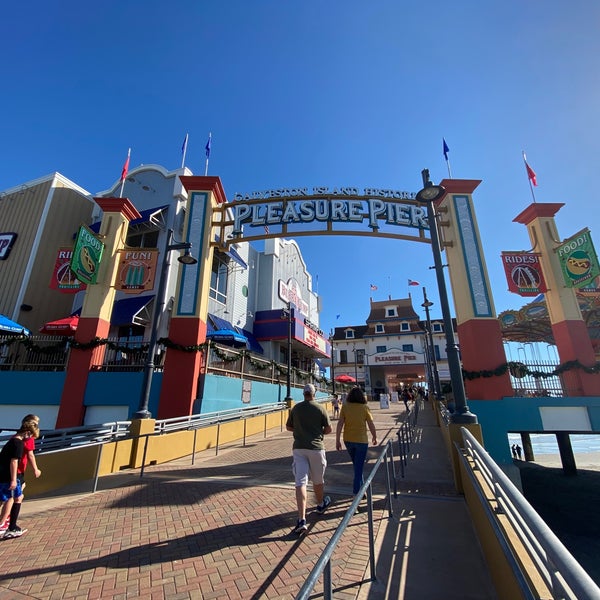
x=337, y=93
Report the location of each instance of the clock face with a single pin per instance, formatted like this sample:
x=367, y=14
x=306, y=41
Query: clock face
x=430, y=193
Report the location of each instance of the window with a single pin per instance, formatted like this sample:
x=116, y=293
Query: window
x=390, y=312
x=404, y=326
x=436, y=350
x=407, y=348
x=379, y=328
x=145, y=239
x=360, y=357
x=437, y=327
x=343, y=356
x=381, y=349
x=218, y=281
x=349, y=334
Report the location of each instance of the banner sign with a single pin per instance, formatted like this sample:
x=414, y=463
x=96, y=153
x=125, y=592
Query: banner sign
x=63, y=279
x=7, y=240
x=578, y=260
x=524, y=273
x=137, y=269
x=87, y=255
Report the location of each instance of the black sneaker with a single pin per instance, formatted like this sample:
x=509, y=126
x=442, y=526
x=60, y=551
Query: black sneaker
x=13, y=533
x=301, y=527
x=321, y=508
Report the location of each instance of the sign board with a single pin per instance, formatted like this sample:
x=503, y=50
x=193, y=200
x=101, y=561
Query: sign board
x=524, y=273
x=6, y=243
x=137, y=270
x=63, y=278
x=87, y=255
x=578, y=260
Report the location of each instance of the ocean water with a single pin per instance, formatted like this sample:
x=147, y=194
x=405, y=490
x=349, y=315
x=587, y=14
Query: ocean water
x=545, y=443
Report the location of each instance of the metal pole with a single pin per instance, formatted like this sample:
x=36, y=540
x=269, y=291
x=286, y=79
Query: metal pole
x=332, y=363
x=433, y=362
x=143, y=412
x=462, y=414
x=288, y=382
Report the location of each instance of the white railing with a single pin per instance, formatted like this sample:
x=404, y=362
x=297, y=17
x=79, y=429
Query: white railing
x=560, y=572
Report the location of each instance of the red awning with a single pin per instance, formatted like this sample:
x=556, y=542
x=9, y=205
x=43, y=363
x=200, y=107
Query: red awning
x=66, y=326
x=345, y=379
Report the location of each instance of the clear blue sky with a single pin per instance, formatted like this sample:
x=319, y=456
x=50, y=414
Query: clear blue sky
x=337, y=93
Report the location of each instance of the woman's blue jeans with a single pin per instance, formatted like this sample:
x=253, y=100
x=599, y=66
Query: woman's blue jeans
x=358, y=454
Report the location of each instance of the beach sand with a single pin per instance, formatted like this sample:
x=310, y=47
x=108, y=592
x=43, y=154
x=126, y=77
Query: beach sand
x=568, y=504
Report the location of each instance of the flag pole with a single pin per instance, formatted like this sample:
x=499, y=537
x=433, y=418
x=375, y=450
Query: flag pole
x=184, y=150
x=446, y=150
x=124, y=172
x=530, y=176
x=207, y=153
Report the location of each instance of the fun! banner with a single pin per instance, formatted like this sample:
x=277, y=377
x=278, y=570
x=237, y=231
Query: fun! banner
x=524, y=273
x=578, y=260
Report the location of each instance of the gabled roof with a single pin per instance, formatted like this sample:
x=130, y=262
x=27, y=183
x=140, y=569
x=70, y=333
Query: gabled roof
x=404, y=311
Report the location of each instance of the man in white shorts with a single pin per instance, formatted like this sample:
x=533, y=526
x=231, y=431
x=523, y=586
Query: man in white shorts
x=309, y=422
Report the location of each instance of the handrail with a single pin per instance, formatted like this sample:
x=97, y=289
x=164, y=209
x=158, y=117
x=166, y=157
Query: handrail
x=562, y=574
x=323, y=565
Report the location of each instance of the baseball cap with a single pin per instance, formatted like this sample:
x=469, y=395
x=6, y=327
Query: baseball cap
x=309, y=388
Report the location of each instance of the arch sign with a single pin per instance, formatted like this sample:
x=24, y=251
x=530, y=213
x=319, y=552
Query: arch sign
x=321, y=211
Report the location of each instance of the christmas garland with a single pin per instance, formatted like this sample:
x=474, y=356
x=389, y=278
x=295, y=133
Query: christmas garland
x=519, y=370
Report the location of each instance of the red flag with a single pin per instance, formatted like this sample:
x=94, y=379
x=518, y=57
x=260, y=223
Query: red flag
x=126, y=166
x=530, y=172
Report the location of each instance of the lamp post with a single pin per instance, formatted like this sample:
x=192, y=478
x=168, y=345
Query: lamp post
x=433, y=370
x=428, y=195
x=332, y=362
x=286, y=313
x=186, y=259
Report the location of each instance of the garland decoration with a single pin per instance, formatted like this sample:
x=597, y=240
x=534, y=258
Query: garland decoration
x=519, y=370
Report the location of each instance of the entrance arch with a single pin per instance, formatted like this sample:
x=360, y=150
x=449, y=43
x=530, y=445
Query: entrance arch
x=213, y=222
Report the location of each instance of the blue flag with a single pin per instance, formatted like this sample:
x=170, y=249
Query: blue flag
x=184, y=145
x=446, y=149
x=207, y=148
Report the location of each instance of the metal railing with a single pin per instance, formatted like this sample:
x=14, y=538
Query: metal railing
x=406, y=434
x=323, y=565
x=558, y=569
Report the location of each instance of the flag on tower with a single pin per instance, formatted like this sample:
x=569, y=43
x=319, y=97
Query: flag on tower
x=373, y=287
x=125, y=169
x=446, y=149
x=530, y=172
x=411, y=282
x=207, y=147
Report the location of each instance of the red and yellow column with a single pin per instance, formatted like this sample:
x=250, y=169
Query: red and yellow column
x=568, y=327
x=478, y=328
x=94, y=321
x=190, y=311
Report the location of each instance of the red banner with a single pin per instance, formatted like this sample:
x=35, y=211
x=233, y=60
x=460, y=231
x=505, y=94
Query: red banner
x=524, y=273
x=63, y=279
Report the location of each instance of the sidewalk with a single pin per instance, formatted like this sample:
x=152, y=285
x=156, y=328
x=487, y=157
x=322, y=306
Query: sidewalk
x=220, y=529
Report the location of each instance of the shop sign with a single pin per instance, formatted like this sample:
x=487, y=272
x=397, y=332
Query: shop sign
x=87, y=255
x=524, y=273
x=291, y=292
x=137, y=270
x=6, y=243
x=63, y=279
x=578, y=260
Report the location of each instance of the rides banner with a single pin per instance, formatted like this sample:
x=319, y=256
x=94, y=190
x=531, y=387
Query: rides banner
x=578, y=260
x=524, y=273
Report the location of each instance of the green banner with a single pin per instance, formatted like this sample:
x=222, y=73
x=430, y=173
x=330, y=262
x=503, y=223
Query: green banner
x=87, y=254
x=578, y=260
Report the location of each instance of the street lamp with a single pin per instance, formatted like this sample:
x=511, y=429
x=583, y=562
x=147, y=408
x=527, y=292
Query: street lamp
x=332, y=362
x=428, y=195
x=433, y=370
x=286, y=313
x=186, y=259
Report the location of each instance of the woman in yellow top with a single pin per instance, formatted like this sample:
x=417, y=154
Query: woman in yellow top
x=355, y=417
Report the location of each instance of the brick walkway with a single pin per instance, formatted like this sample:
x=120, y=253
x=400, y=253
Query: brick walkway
x=220, y=529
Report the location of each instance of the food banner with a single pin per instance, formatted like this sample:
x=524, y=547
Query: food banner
x=524, y=273
x=137, y=270
x=578, y=260
x=87, y=255
x=63, y=279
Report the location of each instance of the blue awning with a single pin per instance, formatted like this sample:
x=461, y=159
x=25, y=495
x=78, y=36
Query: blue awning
x=125, y=311
x=253, y=344
x=150, y=215
x=9, y=326
x=233, y=254
x=228, y=336
x=219, y=323
x=320, y=365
